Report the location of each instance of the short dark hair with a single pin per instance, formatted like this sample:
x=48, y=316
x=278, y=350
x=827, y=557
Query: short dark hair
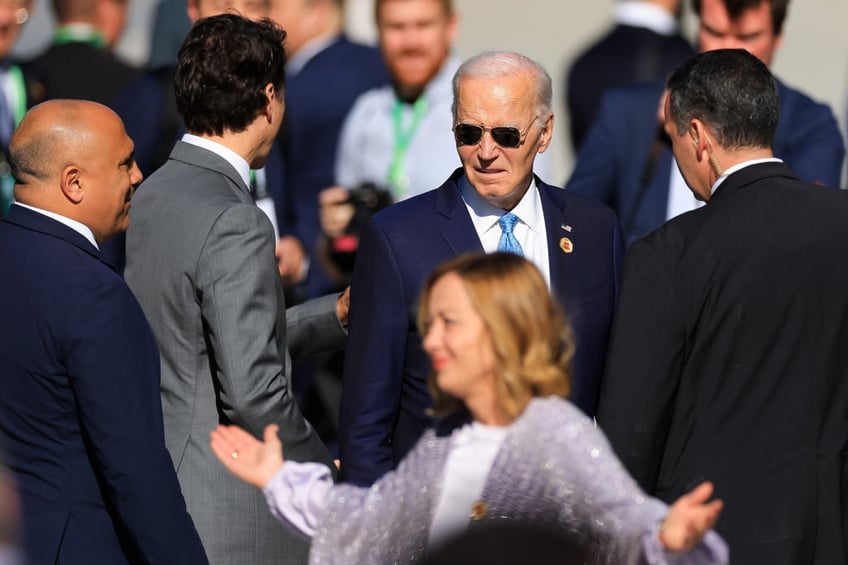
x=223, y=67
x=736, y=7
x=732, y=92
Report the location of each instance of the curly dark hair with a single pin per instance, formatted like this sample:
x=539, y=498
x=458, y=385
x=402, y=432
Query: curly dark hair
x=735, y=8
x=223, y=67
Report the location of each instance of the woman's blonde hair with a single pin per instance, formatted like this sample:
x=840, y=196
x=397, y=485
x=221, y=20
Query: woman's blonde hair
x=532, y=341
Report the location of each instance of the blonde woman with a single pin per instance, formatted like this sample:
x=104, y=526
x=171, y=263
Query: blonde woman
x=508, y=447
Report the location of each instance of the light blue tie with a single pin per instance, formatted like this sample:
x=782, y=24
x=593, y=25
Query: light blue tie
x=507, y=242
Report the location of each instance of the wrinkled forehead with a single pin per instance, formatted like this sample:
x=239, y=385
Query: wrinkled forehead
x=507, y=100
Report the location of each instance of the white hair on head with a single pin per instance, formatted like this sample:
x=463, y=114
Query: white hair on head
x=499, y=64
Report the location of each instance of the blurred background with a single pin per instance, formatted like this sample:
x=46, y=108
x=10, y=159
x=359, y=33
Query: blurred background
x=813, y=57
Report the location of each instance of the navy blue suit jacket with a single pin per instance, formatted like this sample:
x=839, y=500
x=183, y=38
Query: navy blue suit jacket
x=613, y=164
x=315, y=112
x=385, y=396
x=80, y=413
x=625, y=55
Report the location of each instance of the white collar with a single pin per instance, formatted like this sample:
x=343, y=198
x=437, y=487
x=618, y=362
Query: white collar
x=307, y=51
x=486, y=214
x=644, y=14
x=78, y=227
x=739, y=167
x=237, y=161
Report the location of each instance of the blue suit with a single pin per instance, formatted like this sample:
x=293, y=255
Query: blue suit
x=80, y=414
x=385, y=394
x=624, y=163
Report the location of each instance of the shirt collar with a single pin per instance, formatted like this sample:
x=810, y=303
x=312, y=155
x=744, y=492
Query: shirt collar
x=237, y=161
x=739, y=167
x=485, y=215
x=306, y=52
x=78, y=227
x=643, y=14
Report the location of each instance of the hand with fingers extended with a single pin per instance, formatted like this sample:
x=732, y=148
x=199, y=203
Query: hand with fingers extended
x=253, y=461
x=689, y=519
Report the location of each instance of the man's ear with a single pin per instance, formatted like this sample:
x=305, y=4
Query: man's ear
x=71, y=183
x=193, y=10
x=270, y=94
x=697, y=132
x=547, y=133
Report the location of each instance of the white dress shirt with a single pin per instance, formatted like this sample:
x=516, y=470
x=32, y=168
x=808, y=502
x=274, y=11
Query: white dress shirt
x=471, y=457
x=529, y=230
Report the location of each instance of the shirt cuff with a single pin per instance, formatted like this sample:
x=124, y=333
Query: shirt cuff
x=296, y=494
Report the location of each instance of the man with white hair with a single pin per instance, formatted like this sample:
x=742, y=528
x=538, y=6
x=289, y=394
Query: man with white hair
x=502, y=119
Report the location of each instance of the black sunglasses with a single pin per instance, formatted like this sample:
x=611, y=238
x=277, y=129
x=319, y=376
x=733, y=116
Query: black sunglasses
x=505, y=136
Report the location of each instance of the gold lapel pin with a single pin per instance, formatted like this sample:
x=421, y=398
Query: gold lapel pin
x=479, y=510
x=566, y=245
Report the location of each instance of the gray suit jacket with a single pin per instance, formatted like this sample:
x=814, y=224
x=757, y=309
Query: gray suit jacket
x=200, y=259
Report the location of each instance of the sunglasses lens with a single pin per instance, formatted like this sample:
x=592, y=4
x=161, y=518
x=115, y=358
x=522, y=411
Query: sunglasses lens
x=506, y=137
x=466, y=134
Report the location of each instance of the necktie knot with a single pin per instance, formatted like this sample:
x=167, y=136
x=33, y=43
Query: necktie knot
x=508, y=242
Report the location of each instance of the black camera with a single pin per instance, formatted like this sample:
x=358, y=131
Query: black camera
x=366, y=199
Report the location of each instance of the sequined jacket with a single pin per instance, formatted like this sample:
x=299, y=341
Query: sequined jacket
x=554, y=468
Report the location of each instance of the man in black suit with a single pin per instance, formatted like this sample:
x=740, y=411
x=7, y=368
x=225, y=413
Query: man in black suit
x=645, y=44
x=79, y=64
x=728, y=358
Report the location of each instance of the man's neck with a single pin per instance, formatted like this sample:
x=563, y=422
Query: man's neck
x=408, y=94
x=721, y=161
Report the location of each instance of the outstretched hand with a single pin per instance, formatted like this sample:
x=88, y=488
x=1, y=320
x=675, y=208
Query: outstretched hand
x=253, y=461
x=689, y=518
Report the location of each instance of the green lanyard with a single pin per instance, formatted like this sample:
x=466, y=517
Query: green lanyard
x=397, y=177
x=70, y=34
x=16, y=77
x=18, y=109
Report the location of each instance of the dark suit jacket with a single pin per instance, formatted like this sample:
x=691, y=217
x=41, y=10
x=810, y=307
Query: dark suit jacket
x=616, y=167
x=310, y=135
x=626, y=54
x=728, y=363
x=79, y=71
x=385, y=392
x=80, y=415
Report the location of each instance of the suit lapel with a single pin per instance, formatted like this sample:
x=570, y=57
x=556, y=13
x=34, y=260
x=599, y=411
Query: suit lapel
x=562, y=236
x=456, y=226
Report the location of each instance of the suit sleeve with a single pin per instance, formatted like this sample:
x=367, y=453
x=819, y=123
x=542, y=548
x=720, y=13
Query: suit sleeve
x=595, y=169
x=313, y=327
x=644, y=364
x=374, y=361
x=243, y=312
x=813, y=148
x=114, y=367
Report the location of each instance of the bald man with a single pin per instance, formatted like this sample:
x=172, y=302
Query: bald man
x=80, y=414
